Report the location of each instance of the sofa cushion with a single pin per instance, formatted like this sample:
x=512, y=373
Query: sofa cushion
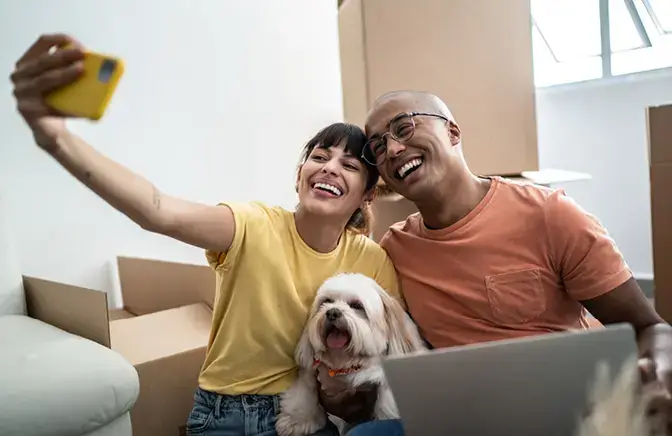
x=12, y=300
x=56, y=383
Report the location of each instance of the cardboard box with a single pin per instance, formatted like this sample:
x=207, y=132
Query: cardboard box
x=163, y=330
x=474, y=54
x=659, y=121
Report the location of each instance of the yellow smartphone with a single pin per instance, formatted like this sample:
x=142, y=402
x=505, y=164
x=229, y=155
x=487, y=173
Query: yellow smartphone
x=89, y=95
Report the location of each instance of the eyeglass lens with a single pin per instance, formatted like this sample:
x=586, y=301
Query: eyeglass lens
x=401, y=129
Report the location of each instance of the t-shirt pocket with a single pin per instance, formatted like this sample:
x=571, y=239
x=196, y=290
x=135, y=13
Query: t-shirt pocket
x=516, y=297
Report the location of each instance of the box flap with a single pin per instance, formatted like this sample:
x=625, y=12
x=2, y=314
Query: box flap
x=390, y=207
x=150, y=337
x=79, y=311
x=550, y=176
x=149, y=286
x=547, y=176
x=659, y=119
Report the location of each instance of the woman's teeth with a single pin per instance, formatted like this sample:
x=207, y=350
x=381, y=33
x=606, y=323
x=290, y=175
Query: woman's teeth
x=329, y=188
x=408, y=166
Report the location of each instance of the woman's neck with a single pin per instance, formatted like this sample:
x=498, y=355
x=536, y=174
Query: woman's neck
x=319, y=234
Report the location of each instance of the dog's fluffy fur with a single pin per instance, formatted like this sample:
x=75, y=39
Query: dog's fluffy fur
x=375, y=325
x=615, y=409
x=620, y=406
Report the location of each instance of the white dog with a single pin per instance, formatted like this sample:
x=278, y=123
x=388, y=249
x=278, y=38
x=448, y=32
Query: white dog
x=353, y=323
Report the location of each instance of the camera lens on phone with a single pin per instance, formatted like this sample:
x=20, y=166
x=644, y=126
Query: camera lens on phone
x=106, y=70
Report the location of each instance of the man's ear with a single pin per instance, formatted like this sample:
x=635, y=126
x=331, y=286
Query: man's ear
x=455, y=133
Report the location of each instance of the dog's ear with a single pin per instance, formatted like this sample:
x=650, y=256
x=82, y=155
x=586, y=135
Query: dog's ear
x=403, y=336
x=304, y=351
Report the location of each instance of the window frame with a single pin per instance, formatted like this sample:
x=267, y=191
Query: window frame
x=653, y=36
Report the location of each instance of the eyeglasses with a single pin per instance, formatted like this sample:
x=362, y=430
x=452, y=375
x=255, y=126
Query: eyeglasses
x=401, y=129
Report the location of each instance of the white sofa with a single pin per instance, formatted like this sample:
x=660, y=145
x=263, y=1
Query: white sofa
x=52, y=382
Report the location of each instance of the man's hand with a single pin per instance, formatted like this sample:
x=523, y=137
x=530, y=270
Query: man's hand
x=340, y=400
x=627, y=303
x=655, y=344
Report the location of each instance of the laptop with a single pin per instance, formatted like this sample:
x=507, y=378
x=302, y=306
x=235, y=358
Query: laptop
x=525, y=387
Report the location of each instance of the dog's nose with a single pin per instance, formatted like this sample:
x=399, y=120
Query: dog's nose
x=333, y=314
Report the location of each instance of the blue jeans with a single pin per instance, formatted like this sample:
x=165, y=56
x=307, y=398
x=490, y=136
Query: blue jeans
x=237, y=415
x=386, y=427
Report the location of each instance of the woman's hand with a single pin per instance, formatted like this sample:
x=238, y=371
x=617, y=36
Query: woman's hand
x=39, y=71
x=339, y=399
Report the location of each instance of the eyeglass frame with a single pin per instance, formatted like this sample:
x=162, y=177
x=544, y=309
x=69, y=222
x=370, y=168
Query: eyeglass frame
x=409, y=115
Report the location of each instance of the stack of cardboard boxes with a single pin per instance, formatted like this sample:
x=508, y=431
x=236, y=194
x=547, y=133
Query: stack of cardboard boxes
x=476, y=55
x=659, y=119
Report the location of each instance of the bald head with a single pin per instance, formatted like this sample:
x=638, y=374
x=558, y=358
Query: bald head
x=430, y=140
x=417, y=101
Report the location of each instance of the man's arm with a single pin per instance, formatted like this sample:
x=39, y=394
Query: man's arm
x=625, y=303
x=595, y=273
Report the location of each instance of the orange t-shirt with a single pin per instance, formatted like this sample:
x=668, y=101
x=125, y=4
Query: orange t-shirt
x=517, y=265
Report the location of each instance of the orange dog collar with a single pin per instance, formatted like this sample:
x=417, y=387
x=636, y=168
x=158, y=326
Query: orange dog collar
x=338, y=371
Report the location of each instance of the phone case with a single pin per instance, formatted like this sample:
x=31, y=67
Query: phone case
x=90, y=94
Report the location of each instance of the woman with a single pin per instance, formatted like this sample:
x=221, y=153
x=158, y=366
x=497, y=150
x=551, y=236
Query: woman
x=268, y=261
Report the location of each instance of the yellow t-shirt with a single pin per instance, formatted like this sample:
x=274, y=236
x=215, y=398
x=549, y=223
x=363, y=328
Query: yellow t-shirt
x=266, y=284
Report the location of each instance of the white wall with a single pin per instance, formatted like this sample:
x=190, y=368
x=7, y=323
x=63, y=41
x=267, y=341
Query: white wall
x=599, y=127
x=217, y=99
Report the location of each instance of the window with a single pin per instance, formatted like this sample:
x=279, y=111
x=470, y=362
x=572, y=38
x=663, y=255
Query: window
x=568, y=45
x=625, y=31
x=561, y=56
x=551, y=18
x=661, y=14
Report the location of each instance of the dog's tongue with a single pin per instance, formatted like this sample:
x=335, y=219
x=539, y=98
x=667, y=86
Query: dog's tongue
x=337, y=339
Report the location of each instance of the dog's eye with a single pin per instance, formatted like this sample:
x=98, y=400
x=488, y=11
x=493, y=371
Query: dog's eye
x=327, y=301
x=356, y=305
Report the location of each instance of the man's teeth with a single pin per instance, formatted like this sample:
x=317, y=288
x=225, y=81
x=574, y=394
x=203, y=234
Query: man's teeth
x=408, y=166
x=331, y=188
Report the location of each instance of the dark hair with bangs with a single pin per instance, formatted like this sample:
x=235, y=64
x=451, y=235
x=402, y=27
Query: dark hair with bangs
x=355, y=140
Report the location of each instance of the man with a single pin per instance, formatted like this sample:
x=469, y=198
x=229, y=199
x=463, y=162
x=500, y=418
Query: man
x=488, y=259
